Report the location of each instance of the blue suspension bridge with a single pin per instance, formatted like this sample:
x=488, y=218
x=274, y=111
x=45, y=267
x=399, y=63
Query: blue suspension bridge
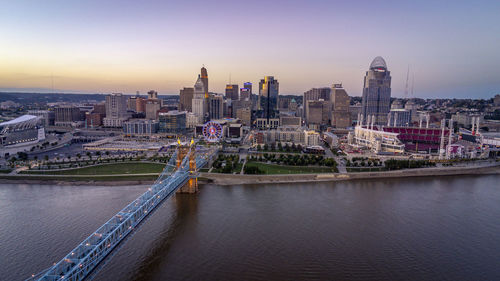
x=179, y=175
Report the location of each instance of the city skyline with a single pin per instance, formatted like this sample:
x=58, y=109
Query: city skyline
x=104, y=47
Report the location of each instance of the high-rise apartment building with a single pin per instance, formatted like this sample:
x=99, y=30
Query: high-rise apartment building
x=341, y=118
x=376, y=99
x=116, y=110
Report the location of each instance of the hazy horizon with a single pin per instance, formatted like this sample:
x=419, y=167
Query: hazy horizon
x=128, y=46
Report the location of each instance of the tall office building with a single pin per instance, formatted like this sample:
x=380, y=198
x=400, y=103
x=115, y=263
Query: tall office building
x=341, y=118
x=268, y=96
x=376, y=99
x=317, y=113
x=245, y=115
x=215, y=107
x=186, y=99
x=199, y=100
x=245, y=94
x=248, y=86
x=204, y=79
x=232, y=92
x=317, y=94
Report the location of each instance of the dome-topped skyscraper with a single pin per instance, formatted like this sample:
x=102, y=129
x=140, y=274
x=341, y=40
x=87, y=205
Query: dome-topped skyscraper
x=376, y=100
x=378, y=63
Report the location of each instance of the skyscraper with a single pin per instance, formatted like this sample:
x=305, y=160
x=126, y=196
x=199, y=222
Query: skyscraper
x=268, y=96
x=317, y=94
x=245, y=94
x=186, y=99
x=248, y=85
x=341, y=118
x=215, y=107
x=204, y=79
x=377, y=92
x=232, y=92
x=198, y=102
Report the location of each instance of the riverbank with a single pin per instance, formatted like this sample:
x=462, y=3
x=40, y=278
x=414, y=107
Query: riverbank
x=234, y=179
x=229, y=179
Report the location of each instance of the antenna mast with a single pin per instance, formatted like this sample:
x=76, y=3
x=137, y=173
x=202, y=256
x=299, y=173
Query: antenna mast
x=407, y=78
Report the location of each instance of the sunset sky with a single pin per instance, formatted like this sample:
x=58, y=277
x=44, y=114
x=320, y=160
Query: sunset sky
x=452, y=47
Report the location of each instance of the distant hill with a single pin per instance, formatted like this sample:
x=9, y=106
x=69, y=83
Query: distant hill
x=43, y=98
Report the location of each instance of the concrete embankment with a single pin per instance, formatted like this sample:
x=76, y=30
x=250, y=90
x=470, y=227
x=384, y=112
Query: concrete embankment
x=235, y=179
x=230, y=179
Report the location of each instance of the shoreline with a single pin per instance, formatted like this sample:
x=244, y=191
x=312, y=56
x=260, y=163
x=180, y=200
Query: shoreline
x=237, y=179
x=230, y=179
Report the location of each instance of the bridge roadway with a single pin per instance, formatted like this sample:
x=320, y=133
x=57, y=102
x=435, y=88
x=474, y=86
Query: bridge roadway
x=83, y=259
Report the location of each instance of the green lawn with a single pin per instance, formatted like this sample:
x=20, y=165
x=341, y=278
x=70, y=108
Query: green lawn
x=284, y=169
x=366, y=169
x=89, y=178
x=108, y=169
x=5, y=171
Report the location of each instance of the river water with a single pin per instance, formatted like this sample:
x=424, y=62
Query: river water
x=443, y=228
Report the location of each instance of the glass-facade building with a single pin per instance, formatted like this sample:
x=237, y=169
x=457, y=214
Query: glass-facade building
x=172, y=122
x=377, y=92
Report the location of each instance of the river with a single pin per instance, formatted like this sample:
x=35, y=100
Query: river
x=441, y=228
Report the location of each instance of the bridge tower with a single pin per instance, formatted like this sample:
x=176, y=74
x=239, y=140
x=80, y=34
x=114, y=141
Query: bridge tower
x=192, y=185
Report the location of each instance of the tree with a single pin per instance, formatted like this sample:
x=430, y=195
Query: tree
x=22, y=156
x=89, y=155
x=46, y=157
x=107, y=153
x=78, y=156
x=266, y=147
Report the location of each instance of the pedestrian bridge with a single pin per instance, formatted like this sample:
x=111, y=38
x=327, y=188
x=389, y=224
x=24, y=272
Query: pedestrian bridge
x=179, y=175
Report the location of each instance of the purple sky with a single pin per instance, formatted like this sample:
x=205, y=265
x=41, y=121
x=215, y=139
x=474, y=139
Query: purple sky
x=452, y=47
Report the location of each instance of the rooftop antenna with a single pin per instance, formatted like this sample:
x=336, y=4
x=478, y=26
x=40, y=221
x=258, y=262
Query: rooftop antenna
x=412, y=84
x=407, y=78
